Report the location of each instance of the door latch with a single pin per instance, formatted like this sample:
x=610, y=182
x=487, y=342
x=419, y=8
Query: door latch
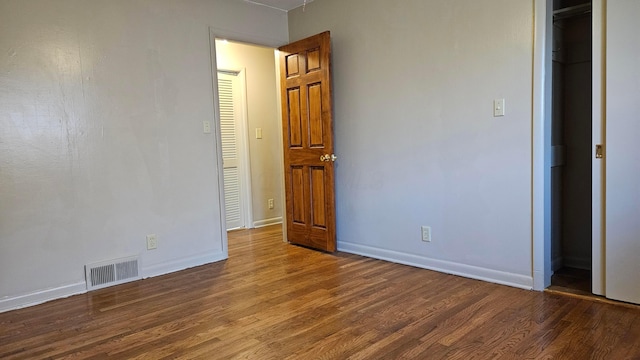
x=599, y=151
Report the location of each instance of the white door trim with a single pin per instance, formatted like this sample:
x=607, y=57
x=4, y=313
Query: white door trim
x=541, y=129
x=283, y=199
x=218, y=144
x=598, y=207
x=246, y=154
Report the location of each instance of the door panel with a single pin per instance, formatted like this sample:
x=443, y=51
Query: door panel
x=230, y=102
x=622, y=151
x=295, y=121
x=315, y=115
x=297, y=194
x=307, y=127
x=293, y=68
x=317, y=197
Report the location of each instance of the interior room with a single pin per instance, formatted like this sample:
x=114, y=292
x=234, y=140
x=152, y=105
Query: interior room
x=482, y=178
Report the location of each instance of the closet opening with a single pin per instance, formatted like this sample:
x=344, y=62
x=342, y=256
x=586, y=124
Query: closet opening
x=571, y=147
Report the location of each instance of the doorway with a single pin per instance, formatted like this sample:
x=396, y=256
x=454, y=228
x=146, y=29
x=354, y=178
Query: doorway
x=571, y=146
x=256, y=74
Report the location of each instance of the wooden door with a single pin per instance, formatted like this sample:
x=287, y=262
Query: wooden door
x=307, y=125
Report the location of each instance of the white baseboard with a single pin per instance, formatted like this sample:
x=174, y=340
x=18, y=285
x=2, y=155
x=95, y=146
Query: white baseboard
x=267, y=222
x=39, y=297
x=469, y=271
x=42, y=296
x=181, y=264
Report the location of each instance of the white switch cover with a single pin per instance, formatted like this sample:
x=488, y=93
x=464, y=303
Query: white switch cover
x=258, y=133
x=206, y=127
x=498, y=107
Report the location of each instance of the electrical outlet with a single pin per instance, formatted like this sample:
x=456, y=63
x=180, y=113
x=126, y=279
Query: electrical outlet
x=152, y=242
x=426, y=233
x=270, y=203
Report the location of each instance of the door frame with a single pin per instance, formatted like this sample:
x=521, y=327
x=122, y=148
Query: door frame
x=541, y=146
x=243, y=147
x=598, y=166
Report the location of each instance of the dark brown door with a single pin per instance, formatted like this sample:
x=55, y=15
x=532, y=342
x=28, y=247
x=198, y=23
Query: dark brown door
x=307, y=125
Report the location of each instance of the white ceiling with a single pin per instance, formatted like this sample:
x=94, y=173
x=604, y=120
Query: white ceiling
x=284, y=5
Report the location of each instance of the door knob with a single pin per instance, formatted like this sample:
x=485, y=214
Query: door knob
x=327, y=157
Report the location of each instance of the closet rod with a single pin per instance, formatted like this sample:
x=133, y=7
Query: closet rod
x=571, y=11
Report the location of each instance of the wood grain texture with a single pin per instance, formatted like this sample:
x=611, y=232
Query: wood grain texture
x=307, y=121
x=272, y=300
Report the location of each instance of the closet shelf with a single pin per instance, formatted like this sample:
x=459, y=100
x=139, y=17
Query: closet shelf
x=572, y=11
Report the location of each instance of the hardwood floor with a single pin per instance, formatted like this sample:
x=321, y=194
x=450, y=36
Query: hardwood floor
x=573, y=281
x=272, y=300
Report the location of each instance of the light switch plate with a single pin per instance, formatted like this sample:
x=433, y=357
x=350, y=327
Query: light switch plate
x=258, y=133
x=498, y=107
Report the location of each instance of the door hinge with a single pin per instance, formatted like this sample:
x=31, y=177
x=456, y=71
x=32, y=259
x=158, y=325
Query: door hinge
x=599, y=151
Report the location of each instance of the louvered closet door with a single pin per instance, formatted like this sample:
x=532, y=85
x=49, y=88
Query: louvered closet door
x=228, y=92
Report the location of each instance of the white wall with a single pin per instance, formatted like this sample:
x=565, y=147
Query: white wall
x=622, y=151
x=101, y=142
x=262, y=109
x=414, y=83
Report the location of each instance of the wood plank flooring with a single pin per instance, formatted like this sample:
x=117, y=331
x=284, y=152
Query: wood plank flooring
x=272, y=300
x=571, y=280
